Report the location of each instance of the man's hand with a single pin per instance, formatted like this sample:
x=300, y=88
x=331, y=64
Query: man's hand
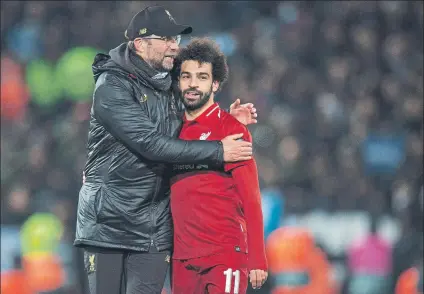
x=244, y=113
x=236, y=150
x=258, y=278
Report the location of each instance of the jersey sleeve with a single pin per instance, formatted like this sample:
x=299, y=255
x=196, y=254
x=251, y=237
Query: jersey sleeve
x=247, y=185
x=237, y=129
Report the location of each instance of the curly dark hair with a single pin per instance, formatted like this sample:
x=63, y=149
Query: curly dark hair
x=203, y=50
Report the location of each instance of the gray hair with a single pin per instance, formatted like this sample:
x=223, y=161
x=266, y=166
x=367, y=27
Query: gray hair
x=131, y=45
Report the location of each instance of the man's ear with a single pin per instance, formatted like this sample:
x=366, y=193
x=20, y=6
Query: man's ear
x=139, y=45
x=215, y=86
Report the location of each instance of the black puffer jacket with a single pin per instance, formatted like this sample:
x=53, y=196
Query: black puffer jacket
x=124, y=202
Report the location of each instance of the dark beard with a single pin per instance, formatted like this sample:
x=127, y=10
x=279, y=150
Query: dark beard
x=204, y=98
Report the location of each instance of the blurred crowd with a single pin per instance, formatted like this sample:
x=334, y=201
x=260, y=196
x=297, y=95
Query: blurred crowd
x=338, y=86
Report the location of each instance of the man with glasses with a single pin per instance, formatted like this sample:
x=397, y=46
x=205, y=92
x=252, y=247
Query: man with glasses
x=124, y=222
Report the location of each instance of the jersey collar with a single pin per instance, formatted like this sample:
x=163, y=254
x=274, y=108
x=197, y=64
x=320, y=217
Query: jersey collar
x=213, y=112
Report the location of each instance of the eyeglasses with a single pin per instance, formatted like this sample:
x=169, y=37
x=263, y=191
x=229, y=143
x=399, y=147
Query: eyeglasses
x=168, y=40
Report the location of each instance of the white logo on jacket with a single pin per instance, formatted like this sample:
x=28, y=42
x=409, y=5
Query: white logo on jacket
x=204, y=136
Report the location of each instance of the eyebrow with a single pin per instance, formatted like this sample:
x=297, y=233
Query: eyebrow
x=199, y=73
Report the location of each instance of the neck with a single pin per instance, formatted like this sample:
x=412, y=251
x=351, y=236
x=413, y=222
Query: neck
x=193, y=114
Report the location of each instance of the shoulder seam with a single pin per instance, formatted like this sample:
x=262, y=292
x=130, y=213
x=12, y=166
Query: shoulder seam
x=118, y=78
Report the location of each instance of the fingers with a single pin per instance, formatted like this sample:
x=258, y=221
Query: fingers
x=254, y=279
x=235, y=149
x=238, y=156
x=248, y=105
x=235, y=136
x=245, y=149
x=235, y=104
x=245, y=153
x=258, y=278
x=242, y=158
x=253, y=111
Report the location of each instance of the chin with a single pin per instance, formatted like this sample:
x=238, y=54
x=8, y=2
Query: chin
x=167, y=66
x=191, y=105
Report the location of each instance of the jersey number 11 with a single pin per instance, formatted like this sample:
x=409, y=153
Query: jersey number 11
x=228, y=277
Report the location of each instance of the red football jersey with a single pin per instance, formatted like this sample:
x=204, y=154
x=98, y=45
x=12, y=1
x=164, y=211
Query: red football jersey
x=211, y=214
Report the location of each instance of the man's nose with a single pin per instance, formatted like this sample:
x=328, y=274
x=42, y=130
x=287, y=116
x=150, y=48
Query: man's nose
x=193, y=83
x=174, y=46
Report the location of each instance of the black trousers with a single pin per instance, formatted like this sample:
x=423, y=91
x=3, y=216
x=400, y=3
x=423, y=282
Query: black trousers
x=125, y=272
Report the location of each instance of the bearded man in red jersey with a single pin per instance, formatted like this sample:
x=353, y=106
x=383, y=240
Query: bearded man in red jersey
x=218, y=222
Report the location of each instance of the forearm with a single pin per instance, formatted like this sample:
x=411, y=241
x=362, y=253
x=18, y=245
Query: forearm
x=172, y=150
x=247, y=184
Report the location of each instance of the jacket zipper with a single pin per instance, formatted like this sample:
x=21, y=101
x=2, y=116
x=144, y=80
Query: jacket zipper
x=152, y=219
x=158, y=183
x=152, y=204
x=139, y=87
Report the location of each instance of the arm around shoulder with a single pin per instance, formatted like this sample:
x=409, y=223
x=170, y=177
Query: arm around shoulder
x=119, y=113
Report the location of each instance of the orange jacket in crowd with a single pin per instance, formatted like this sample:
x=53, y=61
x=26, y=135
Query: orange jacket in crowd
x=14, y=282
x=296, y=264
x=408, y=282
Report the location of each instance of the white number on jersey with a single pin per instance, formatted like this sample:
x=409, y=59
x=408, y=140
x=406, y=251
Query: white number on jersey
x=228, y=277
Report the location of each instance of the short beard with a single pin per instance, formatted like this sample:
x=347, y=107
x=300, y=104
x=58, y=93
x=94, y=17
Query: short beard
x=159, y=66
x=198, y=104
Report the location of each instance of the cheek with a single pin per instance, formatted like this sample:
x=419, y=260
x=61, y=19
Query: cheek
x=157, y=52
x=182, y=85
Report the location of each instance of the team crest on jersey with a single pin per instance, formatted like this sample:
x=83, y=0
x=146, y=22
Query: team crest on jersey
x=204, y=136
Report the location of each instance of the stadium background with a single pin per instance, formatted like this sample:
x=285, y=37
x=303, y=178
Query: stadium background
x=338, y=87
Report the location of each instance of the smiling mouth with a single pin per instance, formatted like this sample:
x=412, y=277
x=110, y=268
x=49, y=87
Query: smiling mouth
x=192, y=95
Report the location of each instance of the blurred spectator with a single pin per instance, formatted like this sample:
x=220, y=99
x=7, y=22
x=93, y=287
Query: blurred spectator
x=296, y=264
x=369, y=263
x=14, y=92
x=411, y=279
x=409, y=247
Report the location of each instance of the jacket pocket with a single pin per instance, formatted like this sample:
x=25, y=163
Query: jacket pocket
x=99, y=202
x=107, y=212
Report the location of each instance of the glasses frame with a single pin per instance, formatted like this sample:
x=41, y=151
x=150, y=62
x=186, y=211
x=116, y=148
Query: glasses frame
x=168, y=40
